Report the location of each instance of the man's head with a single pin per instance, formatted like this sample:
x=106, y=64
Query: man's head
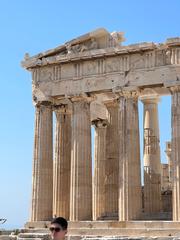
x=58, y=228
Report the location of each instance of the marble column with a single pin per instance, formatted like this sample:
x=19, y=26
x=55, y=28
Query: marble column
x=152, y=162
x=176, y=151
x=62, y=161
x=81, y=162
x=130, y=197
x=169, y=159
x=99, y=169
x=42, y=182
x=112, y=159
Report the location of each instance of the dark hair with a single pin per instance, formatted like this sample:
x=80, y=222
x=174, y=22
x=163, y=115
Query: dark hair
x=61, y=221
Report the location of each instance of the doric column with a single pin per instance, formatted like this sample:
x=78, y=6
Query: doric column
x=130, y=197
x=81, y=162
x=169, y=159
x=61, y=174
x=99, y=169
x=176, y=151
x=42, y=182
x=152, y=162
x=112, y=159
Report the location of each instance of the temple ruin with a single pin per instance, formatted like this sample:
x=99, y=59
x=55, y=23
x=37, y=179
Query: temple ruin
x=95, y=80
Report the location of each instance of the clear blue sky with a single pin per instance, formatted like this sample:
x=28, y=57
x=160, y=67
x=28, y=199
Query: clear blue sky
x=34, y=26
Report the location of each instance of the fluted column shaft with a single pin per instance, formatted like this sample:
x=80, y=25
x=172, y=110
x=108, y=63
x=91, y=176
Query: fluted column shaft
x=81, y=162
x=61, y=176
x=176, y=152
x=130, y=198
x=169, y=160
x=152, y=162
x=99, y=170
x=42, y=182
x=112, y=158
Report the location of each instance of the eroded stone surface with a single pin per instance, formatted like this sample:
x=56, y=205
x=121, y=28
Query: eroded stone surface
x=85, y=75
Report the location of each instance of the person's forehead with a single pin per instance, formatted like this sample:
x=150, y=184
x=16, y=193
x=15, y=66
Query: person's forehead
x=55, y=225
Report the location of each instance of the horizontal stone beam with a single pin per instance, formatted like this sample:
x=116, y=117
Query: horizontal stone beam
x=165, y=76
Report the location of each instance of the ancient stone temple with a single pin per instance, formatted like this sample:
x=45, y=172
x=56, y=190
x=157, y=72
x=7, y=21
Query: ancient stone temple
x=94, y=80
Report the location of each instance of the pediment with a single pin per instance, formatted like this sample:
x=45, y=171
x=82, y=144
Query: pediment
x=97, y=39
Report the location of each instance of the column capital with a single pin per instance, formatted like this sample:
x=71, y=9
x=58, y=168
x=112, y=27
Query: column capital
x=111, y=103
x=37, y=98
x=168, y=148
x=61, y=109
x=129, y=94
x=174, y=89
x=100, y=123
x=43, y=103
x=149, y=99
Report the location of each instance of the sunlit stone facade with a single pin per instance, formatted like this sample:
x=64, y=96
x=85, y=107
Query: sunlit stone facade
x=94, y=80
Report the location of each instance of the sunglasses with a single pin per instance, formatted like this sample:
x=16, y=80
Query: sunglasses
x=56, y=229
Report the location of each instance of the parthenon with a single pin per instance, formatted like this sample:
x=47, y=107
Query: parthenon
x=96, y=80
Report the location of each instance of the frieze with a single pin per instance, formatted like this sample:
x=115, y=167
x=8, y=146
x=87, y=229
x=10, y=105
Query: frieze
x=150, y=59
x=175, y=56
x=160, y=58
x=67, y=70
x=97, y=63
x=145, y=59
x=90, y=68
x=113, y=64
x=78, y=69
x=107, y=65
x=57, y=72
x=137, y=61
x=101, y=66
x=46, y=74
x=35, y=76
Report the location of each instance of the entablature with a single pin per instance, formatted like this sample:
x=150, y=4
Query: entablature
x=97, y=62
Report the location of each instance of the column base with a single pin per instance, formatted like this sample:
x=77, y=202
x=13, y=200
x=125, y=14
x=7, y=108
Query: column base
x=38, y=224
x=113, y=229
